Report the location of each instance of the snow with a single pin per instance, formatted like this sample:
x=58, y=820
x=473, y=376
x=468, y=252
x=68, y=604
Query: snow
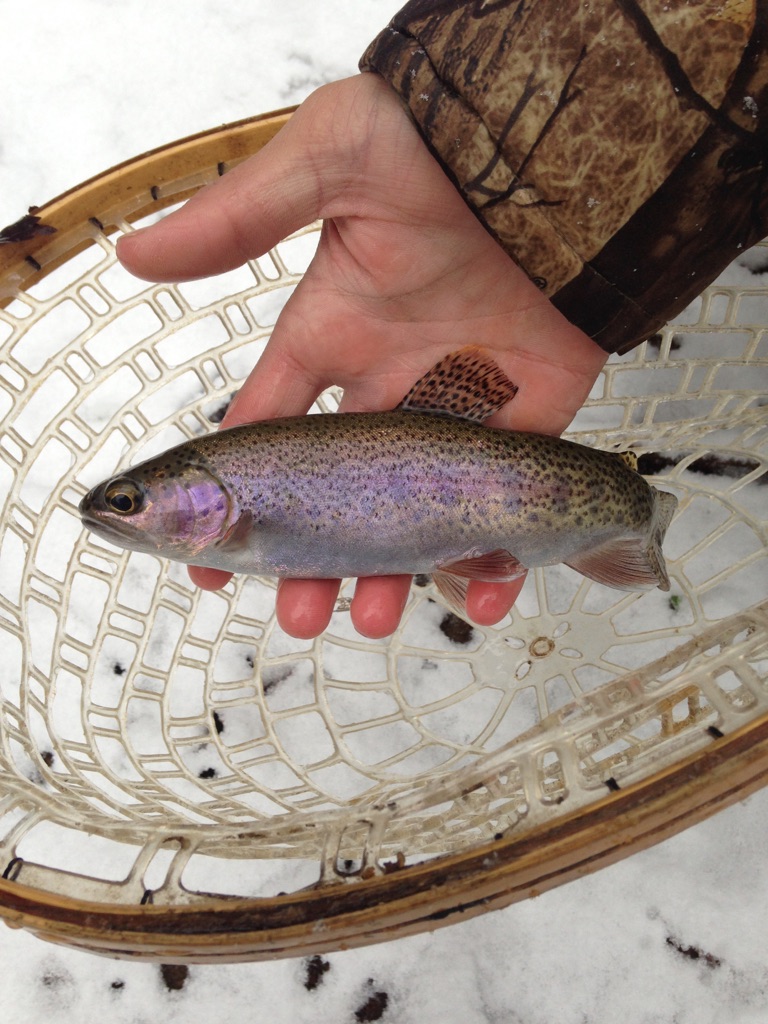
x=676, y=933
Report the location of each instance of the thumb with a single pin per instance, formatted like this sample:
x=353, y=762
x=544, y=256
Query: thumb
x=289, y=183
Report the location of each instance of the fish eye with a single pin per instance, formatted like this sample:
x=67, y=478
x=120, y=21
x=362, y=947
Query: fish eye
x=124, y=497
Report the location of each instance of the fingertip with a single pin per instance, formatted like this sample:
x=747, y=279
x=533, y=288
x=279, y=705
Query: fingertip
x=304, y=607
x=488, y=603
x=171, y=250
x=209, y=579
x=130, y=249
x=378, y=604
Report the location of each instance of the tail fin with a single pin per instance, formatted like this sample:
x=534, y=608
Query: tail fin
x=664, y=506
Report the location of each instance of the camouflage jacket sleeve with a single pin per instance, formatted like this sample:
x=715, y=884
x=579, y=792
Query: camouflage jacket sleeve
x=615, y=148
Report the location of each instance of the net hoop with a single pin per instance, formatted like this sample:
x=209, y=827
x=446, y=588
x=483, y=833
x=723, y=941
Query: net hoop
x=442, y=825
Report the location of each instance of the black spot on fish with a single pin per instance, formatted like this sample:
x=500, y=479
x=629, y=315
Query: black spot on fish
x=118, y=669
x=47, y=756
x=207, y=773
x=218, y=722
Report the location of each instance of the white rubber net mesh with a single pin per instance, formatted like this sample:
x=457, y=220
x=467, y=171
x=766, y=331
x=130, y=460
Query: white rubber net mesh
x=158, y=742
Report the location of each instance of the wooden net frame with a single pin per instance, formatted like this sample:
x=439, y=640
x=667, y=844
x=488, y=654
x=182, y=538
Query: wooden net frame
x=180, y=780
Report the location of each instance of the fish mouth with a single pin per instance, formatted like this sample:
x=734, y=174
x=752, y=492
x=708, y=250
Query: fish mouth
x=88, y=517
x=103, y=527
x=108, y=531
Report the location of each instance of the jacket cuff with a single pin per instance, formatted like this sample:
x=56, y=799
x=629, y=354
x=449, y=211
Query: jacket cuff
x=613, y=153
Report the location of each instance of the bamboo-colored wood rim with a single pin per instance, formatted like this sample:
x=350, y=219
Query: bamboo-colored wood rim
x=412, y=899
x=135, y=188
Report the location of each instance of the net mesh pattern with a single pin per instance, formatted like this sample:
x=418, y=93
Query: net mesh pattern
x=157, y=739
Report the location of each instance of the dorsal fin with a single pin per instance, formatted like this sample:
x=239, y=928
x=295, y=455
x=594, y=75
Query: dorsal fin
x=467, y=384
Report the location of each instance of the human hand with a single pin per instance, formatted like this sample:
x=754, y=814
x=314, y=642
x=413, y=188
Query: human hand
x=403, y=274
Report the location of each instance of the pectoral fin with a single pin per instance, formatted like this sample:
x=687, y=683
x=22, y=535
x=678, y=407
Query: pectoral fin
x=497, y=566
x=237, y=535
x=452, y=579
x=453, y=590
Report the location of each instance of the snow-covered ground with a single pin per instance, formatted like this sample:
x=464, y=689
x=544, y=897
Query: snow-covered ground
x=677, y=933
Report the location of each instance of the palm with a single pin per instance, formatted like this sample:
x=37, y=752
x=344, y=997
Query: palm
x=403, y=274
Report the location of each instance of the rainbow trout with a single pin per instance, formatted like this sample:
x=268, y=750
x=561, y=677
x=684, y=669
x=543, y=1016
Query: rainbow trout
x=425, y=488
